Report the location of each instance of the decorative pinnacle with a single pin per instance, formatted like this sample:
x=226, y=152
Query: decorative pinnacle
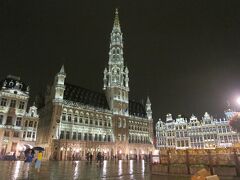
x=62, y=70
x=148, y=100
x=116, y=20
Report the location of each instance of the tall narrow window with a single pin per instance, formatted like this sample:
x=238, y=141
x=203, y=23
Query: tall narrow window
x=74, y=136
x=24, y=134
x=64, y=116
x=3, y=102
x=85, y=136
x=26, y=123
x=79, y=136
x=21, y=105
x=62, y=135
x=29, y=134
x=1, y=119
x=80, y=119
x=34, y=134
x=13, y=103
x=69, y=118
x=75, y=118
x=31, y=124
x=67, y=135
x=19, y=121
x=9, y=120
x=35, y=125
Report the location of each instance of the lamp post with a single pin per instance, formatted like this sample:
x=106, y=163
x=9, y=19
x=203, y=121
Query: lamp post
x=238, y=103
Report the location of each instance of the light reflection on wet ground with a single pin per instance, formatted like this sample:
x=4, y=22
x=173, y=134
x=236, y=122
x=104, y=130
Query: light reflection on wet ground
x=109, y=170
x=76, y=170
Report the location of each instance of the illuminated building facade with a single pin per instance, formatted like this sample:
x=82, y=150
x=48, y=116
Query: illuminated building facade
x=18, y=128
x=205, y=133
x=76, y=120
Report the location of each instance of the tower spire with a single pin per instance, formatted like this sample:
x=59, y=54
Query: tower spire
x=116, y=19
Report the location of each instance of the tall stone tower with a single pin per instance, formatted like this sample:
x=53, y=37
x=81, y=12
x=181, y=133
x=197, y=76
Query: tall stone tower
x=116, y=75
x=59, y=85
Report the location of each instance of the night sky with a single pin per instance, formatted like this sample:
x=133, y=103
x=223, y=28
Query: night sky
x=184, y=54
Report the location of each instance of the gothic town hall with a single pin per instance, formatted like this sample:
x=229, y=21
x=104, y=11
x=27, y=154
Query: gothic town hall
x=75, y=120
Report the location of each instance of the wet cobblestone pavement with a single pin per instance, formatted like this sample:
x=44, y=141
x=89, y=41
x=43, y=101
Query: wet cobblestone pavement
x=76, y=170
x=109, y=170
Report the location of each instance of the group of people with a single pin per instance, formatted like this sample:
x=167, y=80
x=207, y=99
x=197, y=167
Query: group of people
x=30, y=157
x=99, y=157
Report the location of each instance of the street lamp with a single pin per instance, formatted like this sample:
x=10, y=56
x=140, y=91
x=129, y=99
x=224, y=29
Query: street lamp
x=238, y=100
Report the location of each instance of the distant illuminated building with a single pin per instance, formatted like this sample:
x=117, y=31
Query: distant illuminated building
x=205, y=133
x=18, y=127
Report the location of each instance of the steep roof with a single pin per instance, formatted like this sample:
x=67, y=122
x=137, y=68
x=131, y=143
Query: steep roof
x=136, y=109
x=92, y=98
x=85, y=96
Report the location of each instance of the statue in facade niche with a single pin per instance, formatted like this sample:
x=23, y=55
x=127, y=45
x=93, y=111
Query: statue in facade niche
x=28, y=89
x=4, y=84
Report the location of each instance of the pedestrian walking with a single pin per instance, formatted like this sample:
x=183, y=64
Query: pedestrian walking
x=38, y=161
x=29, y=155
x=91, y=156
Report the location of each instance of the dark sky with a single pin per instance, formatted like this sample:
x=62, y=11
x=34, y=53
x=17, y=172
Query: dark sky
x=184, y=54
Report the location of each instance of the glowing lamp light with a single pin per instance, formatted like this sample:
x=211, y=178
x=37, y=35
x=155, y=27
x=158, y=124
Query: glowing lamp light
x=238, y=100
x=120, y=152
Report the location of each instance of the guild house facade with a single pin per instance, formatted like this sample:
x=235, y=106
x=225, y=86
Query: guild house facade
x=18, y=127
x=207, y=133
x=76, y=120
